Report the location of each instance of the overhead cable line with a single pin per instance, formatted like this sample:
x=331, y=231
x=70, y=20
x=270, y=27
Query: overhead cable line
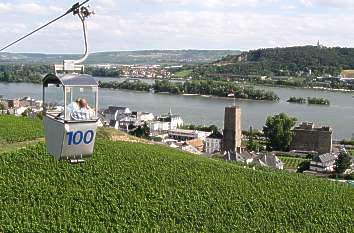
x=74, y=9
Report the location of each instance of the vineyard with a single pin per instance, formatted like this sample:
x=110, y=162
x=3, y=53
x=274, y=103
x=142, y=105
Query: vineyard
x=293, y=163
x=19, y=129
x=129, y=187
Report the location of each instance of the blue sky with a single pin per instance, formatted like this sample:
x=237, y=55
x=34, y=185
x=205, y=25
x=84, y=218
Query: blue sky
x=180, y=24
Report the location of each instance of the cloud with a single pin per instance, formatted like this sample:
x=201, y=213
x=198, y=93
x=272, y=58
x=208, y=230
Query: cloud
x=29, y=8
x=107, y=3
x=210, y=3
x=218, y=30
x=328, y=3
x=178, y=24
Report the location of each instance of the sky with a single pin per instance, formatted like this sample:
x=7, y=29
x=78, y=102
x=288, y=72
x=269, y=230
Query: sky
x=179, y=24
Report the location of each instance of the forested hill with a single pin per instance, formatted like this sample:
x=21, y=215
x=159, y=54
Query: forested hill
x=293, y=60
x=174, y=57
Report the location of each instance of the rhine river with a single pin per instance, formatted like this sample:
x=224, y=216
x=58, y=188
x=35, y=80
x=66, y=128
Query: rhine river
x=207, y=111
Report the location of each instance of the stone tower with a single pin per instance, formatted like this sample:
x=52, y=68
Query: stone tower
x=232, y=129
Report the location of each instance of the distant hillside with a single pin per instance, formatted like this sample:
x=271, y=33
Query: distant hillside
x=291, y=60
x=130, y=187
x=175, y=57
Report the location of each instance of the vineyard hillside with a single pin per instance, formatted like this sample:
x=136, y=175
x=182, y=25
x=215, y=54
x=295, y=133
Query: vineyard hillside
x=134, y=187
x=19, y=129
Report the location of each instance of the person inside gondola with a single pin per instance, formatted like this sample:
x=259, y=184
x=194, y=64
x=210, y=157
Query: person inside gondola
x=78, y=111
x=84, y=112
x=71, y=108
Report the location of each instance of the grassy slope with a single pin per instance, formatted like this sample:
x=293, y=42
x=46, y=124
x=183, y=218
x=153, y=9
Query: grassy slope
x=17, y=132
x=19, y=129
x=142, y=188
x=10, y=147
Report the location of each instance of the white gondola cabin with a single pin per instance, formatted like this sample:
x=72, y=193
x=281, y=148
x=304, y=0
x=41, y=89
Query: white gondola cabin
x=70, y=131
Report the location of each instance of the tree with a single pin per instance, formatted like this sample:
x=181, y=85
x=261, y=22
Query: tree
x=27, y=112
x=343, y=162
x=2, y=107
x=278, y=131
x=213, y=128
x=146, y=130
x=252, y=145
x=141, y=131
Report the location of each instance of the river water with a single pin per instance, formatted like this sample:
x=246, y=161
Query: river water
x=206, y=111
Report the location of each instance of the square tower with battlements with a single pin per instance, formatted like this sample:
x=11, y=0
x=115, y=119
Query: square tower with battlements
x=232, y=129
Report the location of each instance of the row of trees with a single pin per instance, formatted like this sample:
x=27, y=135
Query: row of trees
x=291, y=60
x=320, y=101
x=309, y=100
x=127, y=84
x=211, y=128
x=35, y=73
x=299, y=100
x=23, y=73
x=202, y=87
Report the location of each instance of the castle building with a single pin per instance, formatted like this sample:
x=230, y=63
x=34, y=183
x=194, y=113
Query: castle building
x=308, y=138
x=232, y=129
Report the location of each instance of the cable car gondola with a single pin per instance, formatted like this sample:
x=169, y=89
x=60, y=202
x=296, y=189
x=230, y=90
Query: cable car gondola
x=68, y=137
x=70, y=132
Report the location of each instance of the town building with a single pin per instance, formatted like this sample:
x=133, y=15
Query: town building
x=30, y=102
x=159, y=126
x=311, y=139
x=13, y=103
x=175, y=121
x=114, y=113
x=268, y=160
x=143, y=116
x=196, y=143
x=262, y=159
x=186, y=135
x=243, y=157
x=213, y=143
x=164, y=123
x=323, y=163
x=124, y=123
x=232, y=129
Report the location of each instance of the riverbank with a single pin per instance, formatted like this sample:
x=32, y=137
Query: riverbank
x=247, y=84
x=194, y=87
x=199, y=110
x=305, y=88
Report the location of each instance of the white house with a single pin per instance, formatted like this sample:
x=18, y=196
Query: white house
x=243, y=157
x=324, y=163
x=268, y=160
x=185, y=135
x=213, y=143
x=176, y=121
x=145, y=116
x=164, y=123
x=159, y=126
x=20, y=110
x=116, y=113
